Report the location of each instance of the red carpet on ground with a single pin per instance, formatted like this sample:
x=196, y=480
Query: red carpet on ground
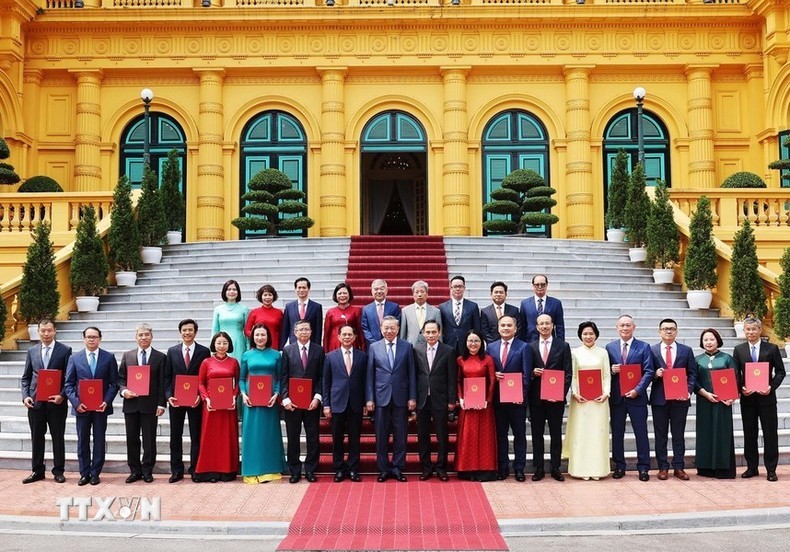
x=417, y=515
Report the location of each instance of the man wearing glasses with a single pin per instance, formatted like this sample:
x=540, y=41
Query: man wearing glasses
x=538, y=304
x=670, y=414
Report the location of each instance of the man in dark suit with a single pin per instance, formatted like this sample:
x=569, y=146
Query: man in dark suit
x=141, y=412
x=50, y=355
x=344, y=401
x=548, y=353
x=88, y=364
x=628, y=350
x=391, y=390
x=670, y=414
x=437, y=393
x=414, y=316
x=303, y=308
x=759, y=405
x=373, y=313
x=540, y=303
x=511, y=355
x=490, y=315
x=302, y=359
x=459, y=315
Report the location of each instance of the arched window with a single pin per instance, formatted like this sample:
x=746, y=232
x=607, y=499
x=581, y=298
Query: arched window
x=165, y=134
x=621, y=133
x=274, y=139
x=784, y=153
x=513, y=139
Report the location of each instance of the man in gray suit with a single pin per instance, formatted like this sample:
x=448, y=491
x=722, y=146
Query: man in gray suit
x=414, y=316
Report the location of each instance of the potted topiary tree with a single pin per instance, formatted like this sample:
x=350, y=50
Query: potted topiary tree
x=8, y=175
x=699, y=268
x=271, y=195
x=637, y=206
x=172, y=198
x=151, y=218
x=38, y=292
x=124, y=237
x=747, y=296
x=782, y=305
x=663, y=247
x=616, y=199
x=507, y=200
x=538, y=202
x=89, y=267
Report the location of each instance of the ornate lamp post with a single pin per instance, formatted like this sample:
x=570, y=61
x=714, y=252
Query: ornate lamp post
x=639, y=96
x=147, y=95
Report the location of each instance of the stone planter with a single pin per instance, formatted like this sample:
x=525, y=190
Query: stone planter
x=87, y=303
x=125, y=279
x=637, y=254
x=173, y=237
x=739, y=333
x=663, y=275
x=151, y=255
x=32, y=330
x=699, y=299
x=615, y=235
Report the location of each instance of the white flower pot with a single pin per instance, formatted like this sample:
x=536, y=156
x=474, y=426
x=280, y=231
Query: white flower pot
x=739, y=329
x=87, y=303
x=32, y=330
x=173, y=237
x=637, y=254
x=616, y=235
x=125, y=279
x=663, y=275
x=699, y=299
x=151, y=255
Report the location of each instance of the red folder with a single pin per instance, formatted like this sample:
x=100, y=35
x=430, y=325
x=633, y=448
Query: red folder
x=725, y=386
x=552, y=385
x=300, y=390
x=220, y=391
x=511, y=389
x=260, y=388
x=474, y=392
x=676, y=384
x=138, y=379
x=91, y=393
x=590, y=384
x=630, y=374
x=186, y=389
x=757, y=375
x=48, y=384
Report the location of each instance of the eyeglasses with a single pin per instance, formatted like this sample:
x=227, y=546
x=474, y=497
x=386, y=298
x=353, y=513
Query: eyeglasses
x=669, y=330
x=92, y=337
x=540, y=284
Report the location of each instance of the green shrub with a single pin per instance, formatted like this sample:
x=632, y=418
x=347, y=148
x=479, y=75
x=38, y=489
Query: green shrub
x=637, y=207
x=124, y=237
x=151, y=222
x=743, y=179
x=618, y=192
x=663, y=242
x=7, y=174
x=89, y=267
x=172, y=199
x=699, y=268
x=782, y=305
x=271, y=195
x=38, y=293
x=40, y=184
x=747, y=296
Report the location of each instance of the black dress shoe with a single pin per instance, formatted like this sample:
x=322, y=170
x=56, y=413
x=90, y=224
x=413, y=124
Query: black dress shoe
x=501, y=476
x=399, y=476
x=311, y=478
x=32, y=478
x=176, y=477
x=134, y=477
x=59, y=478
x=295, y=478
x=148, y=478
x=618, y=474
x=557, y=475
x=339, y=477
x=443, y=476
x=750, y=473
x=772, y=476
x=538, y=475
x=644, y=476
x=426, y=475
x=383, y=476
x=84, y=480
x=95, y=480
x=354, y=476
x=520, y=477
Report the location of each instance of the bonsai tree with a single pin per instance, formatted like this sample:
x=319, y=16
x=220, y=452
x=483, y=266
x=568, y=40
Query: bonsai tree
x=151, y=221
x=38, y=293
x=172, y=198
x=637, y=206
x=89, y=267
x=743, y=179
x=40, y=184
x=618, y=192
x=699, y=268
x=663, y=248
x=124, y=238
x=782, y=305
x=747, y=297
x=538, y=200
x=271, y=196
x=507, y=200
x=8, y=175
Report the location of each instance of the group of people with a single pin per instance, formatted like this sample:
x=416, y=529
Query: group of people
x=497, y=367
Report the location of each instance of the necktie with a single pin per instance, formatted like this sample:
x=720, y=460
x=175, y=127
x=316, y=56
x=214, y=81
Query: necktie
x=187, y=358
x=304, y=356
x=143, y=358
x=668, y=357
x=302, y=310
x=431, y=356
x=421, y=316
x=498, y=312
x=391, y=354
x=624, y=352
x=380, y=311
x=92, y=363
x=505, y=345
x=348, y=361
x=457, y=313
x=46, y=356
x=545, y=352
x=540, y=306
x=754, y=353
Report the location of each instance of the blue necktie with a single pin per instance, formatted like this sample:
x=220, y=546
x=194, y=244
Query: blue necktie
x=93, y=363
x=391, y=354
x=540, y=306
x=144, y=358
x=754, y=353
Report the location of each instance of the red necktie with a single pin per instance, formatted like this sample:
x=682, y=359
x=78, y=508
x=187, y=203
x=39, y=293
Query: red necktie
x=380, y=311
x=348, y=361
x=302, y=310
x=186, y=357
x=505, y=345
x=668, y=358
x=545, y=352
x=304, y=356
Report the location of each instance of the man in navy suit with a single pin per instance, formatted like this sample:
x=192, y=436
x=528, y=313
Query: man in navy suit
x=437, y=393
x=51, y=355
x=540, y=303
x=671, y=414
x=490, y=315
x=303, y=359
x=141, y=412
x=184, y=359
x=391, y=390
x=91, y=363
x=548, y=353
x=344, y=401
x=511, y=355
x=759, y=405
x=373, y=313
x=633, y=404
x=459, y=315
x=303, y=308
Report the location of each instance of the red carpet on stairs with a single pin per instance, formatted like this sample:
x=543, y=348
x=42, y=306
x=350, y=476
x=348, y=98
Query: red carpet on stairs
x=417, y=515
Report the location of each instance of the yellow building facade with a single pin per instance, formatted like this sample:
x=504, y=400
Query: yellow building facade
x=394, y=118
